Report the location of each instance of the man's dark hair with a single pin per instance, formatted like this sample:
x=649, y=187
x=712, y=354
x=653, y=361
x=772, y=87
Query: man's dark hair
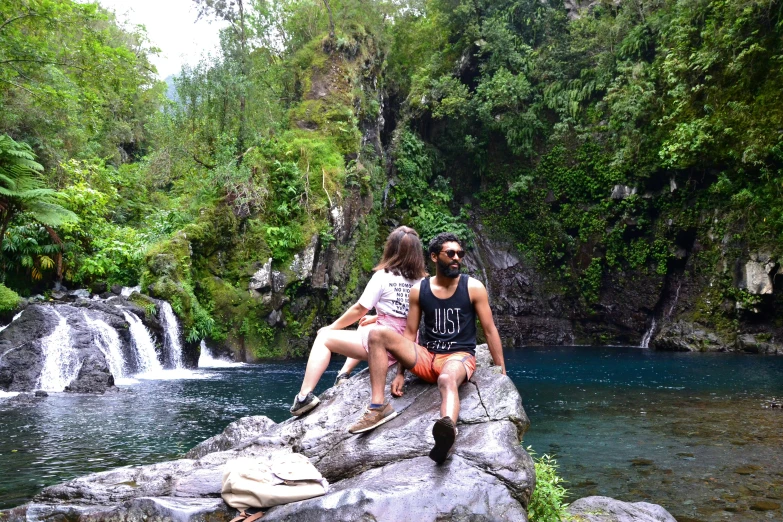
x=437, y=242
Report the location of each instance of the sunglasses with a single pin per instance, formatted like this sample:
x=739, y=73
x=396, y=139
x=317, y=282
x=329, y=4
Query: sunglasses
x=451, y=253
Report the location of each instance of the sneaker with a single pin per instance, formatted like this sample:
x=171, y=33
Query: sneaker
x=302, y=407
x=372, y=418
x=444, y=433
x=342, y=378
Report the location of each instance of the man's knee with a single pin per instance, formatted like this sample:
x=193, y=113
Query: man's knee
x=378, y=338
x=446, y=380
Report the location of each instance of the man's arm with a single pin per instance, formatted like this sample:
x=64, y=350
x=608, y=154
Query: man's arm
x=480, y=299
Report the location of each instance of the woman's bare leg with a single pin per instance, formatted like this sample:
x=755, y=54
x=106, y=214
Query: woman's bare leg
x=344, y=342
x=350, y=364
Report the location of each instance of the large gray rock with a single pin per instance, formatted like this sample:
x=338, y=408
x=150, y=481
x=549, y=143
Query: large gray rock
x=22, y=343
x=683, y=336
x=605, y=509
x=380, y=475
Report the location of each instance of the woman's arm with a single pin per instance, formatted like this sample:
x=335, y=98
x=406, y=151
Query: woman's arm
x=353, y=314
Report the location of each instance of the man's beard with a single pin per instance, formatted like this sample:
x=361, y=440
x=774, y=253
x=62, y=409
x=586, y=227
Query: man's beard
x=447, y=270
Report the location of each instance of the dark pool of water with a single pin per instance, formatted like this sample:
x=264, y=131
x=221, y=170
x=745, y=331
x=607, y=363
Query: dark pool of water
x=688, y=431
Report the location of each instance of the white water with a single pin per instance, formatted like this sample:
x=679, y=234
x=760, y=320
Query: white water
x=61, y=364
x=172, y=343
x=12, y=320
x=128, y=290
x=108, y=341
x=143, y=347
x=648, y=336
x=207, y=360
x=676, y=297
x=7, y=395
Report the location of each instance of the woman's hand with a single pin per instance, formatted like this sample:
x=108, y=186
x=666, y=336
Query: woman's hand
x=397, y=384
x=367, y=319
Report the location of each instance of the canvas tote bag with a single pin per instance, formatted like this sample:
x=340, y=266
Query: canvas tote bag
x=266, y=482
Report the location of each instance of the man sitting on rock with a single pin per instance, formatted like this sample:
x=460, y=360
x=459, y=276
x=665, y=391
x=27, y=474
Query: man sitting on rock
x=450, y=302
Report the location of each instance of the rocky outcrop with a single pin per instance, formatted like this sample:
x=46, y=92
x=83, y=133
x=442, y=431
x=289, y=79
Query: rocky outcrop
x=605, y=509
x=381, y=475
x=67, y=332
x=683, y=336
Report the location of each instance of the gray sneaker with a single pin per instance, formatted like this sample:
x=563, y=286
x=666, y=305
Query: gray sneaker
x=342, y=378
x=302, y=407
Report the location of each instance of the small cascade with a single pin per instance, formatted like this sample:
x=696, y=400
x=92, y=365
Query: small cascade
x=648, y=336
x=172, y=344
x=108, y=341
x=674, y=304
x=12, y=320
x=144, y=348
x=61, y=363
x=207, y=360
x=128, y=290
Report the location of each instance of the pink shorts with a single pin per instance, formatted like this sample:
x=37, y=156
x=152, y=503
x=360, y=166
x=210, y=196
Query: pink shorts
x=395, y=324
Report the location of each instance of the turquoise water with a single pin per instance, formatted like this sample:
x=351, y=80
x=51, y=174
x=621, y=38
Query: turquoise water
x=688, y=431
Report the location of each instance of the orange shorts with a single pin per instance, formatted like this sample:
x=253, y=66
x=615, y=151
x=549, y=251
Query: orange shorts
x=429, y=365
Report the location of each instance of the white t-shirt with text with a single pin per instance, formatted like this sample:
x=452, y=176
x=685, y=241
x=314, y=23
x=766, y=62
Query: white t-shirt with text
x=388, y=293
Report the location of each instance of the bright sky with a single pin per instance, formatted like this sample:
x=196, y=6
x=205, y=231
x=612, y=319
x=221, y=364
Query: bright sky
x=172, y=27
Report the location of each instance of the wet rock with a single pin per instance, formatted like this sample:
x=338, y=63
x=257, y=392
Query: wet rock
x=80, y=293
x=755, y=276
x=262, y=279
x=302, y=265
x=749, y=343
x=683, y=336
x=381, y=475
x=235, y=433
x=765, y=505
x=605, y=509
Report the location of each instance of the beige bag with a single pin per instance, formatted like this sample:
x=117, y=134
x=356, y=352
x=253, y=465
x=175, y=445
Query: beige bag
x=270, y=481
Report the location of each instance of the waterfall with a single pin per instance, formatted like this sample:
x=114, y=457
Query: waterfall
x=128, y=290
x=648, y=336
x=108, y=341
x=207, y=360
x=172, y=344
x=676, y=297
x=61, y=364
x=12, y=320
x=146, y=358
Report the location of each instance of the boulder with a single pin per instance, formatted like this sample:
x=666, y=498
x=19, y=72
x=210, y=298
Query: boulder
x=605, y=509
x=381, y=475
x=683, y=336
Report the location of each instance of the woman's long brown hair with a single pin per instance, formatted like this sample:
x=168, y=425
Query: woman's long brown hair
x=403, y=254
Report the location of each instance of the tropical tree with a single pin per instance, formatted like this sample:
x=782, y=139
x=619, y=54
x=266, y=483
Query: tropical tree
x=22, y=190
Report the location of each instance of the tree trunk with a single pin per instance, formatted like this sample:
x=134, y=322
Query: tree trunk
x=331, y=20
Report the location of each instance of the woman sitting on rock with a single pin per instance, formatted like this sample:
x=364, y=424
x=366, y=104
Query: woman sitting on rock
x=401, y=267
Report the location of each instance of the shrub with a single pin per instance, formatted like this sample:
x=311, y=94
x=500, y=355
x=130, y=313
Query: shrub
x=8, y=299
x=547, y=503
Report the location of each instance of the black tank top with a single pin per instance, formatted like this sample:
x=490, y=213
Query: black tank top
x=449, y=324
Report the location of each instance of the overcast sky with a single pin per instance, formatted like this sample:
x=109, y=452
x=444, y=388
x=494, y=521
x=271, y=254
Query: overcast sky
x=171, y=26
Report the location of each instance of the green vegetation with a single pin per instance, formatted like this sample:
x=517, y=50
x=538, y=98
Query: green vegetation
x=602, y=143
x=8, y=299
x=548, y=501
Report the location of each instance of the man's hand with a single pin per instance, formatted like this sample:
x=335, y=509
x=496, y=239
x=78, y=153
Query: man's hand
x=367, y=319
x=397, y=384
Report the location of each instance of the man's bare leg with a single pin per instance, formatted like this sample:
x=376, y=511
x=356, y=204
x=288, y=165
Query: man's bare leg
x=449, y=381
x=380, y=341
x=445, y=431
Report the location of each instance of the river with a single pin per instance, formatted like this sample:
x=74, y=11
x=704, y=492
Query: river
x=688, y=431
